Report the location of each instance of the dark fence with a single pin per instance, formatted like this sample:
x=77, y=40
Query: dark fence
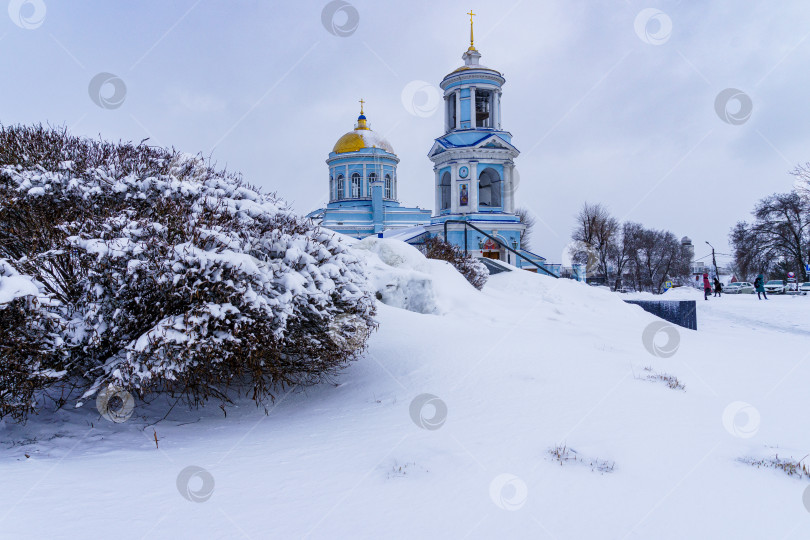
x=680, y=312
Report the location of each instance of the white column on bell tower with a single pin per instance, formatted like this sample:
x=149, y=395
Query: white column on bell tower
x=458, y=109
x=446, y=114
x=509, y=191
x=496, y=109
x=438, y=198
x=473, y=122
x=453, y=188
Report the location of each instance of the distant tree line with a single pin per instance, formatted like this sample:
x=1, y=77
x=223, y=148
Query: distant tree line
x=777, y=241
x=628, y=254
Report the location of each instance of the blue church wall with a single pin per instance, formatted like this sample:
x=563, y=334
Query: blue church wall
x=399, y=218
x=349, y=166
x=377, y=207
x=465, y=111
x=359, y=223
x=347, y=170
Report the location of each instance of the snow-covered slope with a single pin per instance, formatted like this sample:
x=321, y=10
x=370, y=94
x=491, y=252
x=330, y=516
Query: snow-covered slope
x=525, y=365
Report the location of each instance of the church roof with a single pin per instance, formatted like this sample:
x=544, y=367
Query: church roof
x=361, y=137
x=479, y=66
x=472, y=139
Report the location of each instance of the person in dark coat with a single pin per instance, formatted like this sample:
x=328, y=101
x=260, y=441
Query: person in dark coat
x=759, y=285
x=707, y=286
x=718, y=287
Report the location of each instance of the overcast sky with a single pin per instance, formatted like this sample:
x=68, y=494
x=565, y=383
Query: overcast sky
x=606, y=101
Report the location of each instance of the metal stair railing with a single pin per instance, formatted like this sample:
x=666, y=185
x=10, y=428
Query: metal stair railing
x=473, y=227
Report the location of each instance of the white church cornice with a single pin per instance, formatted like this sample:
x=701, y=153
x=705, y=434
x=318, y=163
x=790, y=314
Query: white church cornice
x=473, y=74
x=466, y=156
x=362, y=156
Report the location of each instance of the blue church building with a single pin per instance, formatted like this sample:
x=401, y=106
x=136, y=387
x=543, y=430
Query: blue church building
x=474, y=176
x=363, y=186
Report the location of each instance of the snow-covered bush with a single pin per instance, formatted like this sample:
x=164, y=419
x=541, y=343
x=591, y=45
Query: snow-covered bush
x=30, y=353
x=472, y=269
x=160, y=274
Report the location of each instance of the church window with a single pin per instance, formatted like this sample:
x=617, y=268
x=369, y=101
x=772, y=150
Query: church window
x=372, y=177
x=445, y=191
x=489, y=189
x=340, y=186
x=483, y=108
x=388, y=186
x=331, y=189
x=356, y=182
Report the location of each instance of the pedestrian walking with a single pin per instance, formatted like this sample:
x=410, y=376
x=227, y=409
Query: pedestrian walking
x=707, y=286
x=718, y=287
x=759, y=284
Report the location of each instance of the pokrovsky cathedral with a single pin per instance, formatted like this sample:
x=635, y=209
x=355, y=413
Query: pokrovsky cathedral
x=474, y=180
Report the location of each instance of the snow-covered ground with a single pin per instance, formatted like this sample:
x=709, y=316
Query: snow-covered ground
x=526, y=365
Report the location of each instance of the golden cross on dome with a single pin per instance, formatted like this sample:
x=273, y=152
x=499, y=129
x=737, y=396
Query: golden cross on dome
x=361, y=106
x=471, y=14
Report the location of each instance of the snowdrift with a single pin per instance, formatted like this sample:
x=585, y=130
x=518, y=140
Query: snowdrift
x=532, y=408
x=403, y=277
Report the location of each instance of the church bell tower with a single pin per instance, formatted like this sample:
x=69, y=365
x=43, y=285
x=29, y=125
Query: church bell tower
x=473, y=162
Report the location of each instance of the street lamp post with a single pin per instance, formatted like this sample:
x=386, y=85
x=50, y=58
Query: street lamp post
x=714, y=261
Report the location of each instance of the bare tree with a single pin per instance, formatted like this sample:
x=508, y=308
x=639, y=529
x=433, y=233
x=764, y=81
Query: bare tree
x=529, y=221
x=596, y=232
x=647, y=258
x=802, y=174
x=620, y=251
x=779, y=238
x=748, y=257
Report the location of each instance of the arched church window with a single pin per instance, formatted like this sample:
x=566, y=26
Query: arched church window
x=356, y=183
x=388, y=187
x=331, y=189
x=451, y=110
x=372, y=177
x=445, y=191
x=340, y=186
x=483, y=108
x=489, y=189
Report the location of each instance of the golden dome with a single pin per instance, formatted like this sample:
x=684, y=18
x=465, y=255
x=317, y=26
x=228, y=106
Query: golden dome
x=362, y=137
x=484, y=68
